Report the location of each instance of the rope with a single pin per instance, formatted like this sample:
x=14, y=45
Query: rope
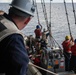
x=53, y=43
x=42, y=69
x=52, y=40
x=50, y=16
x=37, y=13
x=74, y=11
x=45, y=16
x=57, y=43
x=45, y=13
x=67, y=18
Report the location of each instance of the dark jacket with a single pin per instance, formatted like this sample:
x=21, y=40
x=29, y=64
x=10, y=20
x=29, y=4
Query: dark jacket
x=13, y=55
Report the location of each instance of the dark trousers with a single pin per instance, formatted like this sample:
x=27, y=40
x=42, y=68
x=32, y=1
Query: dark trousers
x=67, y=60
x=73, y=63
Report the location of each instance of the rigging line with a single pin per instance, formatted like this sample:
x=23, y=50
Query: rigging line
x=53, y=44
x=56, y=43
x=67, y=18
x=50, y=16
x=45, y=16
x=50, y=26
x=74, y=11
x=44, y=11
x=43, y=8
x=37, y=13
x=46, y=19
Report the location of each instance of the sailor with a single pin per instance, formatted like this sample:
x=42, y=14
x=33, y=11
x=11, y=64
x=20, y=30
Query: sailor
x=13, y=55
x=67, y=43
x=38, y=32
x=73, y=57
x=44, y=40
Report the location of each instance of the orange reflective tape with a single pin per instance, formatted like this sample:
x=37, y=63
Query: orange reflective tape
x=56, y=62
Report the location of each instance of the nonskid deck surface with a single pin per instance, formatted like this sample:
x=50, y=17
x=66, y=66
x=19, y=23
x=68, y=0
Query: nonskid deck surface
x=66, y=73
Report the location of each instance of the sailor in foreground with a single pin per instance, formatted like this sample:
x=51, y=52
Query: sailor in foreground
x=67, y=44
x=13, y=55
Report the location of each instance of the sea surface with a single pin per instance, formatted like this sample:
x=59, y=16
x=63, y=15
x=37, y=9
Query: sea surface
x=58, y=20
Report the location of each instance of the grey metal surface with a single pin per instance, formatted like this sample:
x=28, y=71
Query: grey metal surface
x=66, y=73
x=24, y=5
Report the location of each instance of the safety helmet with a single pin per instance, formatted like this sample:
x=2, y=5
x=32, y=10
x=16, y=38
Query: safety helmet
x=25, y=6
x=37, y=26
x=67, y=37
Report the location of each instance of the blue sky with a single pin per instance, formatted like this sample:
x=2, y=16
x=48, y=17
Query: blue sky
x=45, y=1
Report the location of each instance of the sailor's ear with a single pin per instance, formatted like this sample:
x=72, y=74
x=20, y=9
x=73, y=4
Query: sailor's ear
x=27, y=20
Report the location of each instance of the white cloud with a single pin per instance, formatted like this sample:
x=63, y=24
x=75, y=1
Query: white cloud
x=5, y=0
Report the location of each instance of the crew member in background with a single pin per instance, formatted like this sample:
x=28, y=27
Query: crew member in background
x=73, y=57
x=13, y=55
x=38, y=32
x=44, y=40
x=67, y=43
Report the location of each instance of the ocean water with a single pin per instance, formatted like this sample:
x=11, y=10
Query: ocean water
x=58, y=20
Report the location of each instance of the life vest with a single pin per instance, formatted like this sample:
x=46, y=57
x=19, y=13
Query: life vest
x=73, y=49
x=7, y=27
x=66, y=46
x=38, y=33
x=37, y=61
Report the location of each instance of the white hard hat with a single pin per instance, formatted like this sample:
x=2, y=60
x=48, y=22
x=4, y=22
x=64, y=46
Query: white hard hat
x=25, y=6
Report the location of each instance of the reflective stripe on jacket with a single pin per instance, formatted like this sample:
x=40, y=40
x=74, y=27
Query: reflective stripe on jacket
x=7, y=27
